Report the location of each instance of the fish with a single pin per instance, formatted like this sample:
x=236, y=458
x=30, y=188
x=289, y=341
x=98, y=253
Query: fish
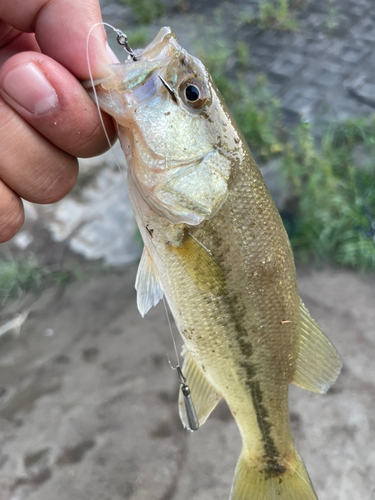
x=215, y=247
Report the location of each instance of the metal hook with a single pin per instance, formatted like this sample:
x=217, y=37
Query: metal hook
x=169, y=88
x=122, y=39
x=170, y=363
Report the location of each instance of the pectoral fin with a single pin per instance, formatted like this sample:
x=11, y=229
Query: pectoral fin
x=318, y=364
x=147, y=284
x=203, y=395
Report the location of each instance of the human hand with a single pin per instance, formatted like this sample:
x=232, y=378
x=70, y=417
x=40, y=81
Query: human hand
x=46, y=117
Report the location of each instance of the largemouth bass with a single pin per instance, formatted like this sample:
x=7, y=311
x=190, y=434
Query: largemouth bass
x=216, y=247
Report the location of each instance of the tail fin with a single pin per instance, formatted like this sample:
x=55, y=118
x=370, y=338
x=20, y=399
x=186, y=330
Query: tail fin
x=252, y=484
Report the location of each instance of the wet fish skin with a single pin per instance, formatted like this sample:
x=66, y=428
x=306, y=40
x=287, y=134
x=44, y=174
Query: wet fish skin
x=216, y=246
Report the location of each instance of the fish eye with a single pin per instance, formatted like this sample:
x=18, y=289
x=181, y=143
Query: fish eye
x=194, y=93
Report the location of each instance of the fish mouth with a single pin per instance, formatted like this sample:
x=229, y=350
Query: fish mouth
x=135, y=82
x=164, y=45
x=132, y=73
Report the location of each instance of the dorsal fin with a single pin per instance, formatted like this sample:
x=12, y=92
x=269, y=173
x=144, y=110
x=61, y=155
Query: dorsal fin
x=147, y=284
x=318, y=364
x=204, y=396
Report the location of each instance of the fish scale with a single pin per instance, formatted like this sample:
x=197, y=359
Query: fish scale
x=240, y=327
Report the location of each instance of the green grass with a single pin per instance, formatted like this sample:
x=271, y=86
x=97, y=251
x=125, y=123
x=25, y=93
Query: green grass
x=335, y=209
x=145, y=11
x=271, y=14
x=276, y=14
x=19, y=276
x=331, y=22
x=244, y=17
x=137, y=37
x=257, y=113
x=243, y=55
x=217, y=60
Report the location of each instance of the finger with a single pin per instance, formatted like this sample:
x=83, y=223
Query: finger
x=49, y=97
x=17, y=42
x=29, y=164
x=61, y=28
x=11, y=213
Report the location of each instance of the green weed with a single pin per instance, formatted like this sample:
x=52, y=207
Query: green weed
x=137, y=37
x=218, y=15
x=63, y=277
x=19, y=276
x=218, y=56
x=335, y=212
x=258, y=116
x=331, y=20
x=273, y=13
x=243, y=55
x=244, y=17
x=276, y=14
x=146, y=11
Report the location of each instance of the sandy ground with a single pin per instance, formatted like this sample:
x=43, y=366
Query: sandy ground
x=88, y=405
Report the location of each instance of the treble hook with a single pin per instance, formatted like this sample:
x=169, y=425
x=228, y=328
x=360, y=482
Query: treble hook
x=122, y=39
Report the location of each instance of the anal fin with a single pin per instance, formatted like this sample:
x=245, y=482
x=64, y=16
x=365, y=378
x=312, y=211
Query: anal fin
x=204, y=396
x=318, y=364
x=147, y=284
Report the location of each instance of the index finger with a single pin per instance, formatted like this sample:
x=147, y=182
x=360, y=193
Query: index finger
x=61, y=28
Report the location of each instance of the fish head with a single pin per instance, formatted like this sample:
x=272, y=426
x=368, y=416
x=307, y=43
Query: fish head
x=176, y=133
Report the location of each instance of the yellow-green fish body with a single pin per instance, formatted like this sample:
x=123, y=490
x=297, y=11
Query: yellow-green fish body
x=216, y=247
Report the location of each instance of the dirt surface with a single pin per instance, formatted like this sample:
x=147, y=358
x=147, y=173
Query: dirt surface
x=88, y=406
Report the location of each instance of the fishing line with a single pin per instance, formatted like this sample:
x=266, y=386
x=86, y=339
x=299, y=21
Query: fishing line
x=122, y=39
x=96, y=95
x=136, y=209
x=191, y=415
x=164, y=301
x=173, y=339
